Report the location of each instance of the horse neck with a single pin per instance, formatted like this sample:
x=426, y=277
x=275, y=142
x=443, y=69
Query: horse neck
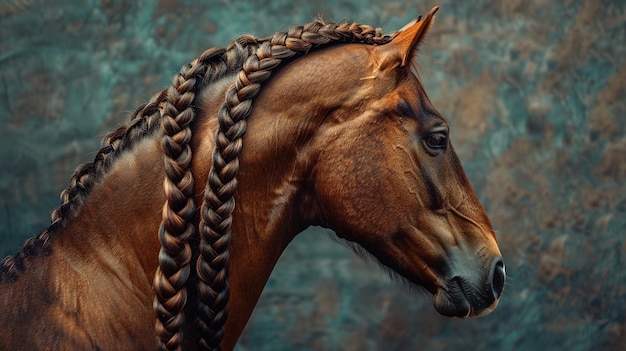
x=115, y=226
x=273, y=201
x=107, y=248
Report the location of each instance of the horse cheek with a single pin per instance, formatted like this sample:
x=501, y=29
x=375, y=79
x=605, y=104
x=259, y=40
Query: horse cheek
x=354, y=191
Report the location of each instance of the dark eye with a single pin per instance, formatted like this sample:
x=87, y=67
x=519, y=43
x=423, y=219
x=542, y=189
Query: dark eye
x=437, y=140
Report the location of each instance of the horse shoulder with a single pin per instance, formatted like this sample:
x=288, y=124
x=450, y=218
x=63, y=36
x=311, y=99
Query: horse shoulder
x=34, y=317
x=71, y=308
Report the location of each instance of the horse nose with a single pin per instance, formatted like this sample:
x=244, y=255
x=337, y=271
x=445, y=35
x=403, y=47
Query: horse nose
x=498, y=277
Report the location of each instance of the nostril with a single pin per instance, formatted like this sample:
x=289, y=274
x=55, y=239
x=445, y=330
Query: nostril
x=499, y=276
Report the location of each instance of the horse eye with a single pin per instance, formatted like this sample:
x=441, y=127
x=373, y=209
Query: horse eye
x=437, y=140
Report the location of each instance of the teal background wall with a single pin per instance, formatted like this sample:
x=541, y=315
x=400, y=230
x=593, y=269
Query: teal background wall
x=535, y=92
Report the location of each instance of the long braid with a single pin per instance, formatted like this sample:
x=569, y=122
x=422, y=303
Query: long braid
x=218, y=203
x=81, y=182
x=177, y=225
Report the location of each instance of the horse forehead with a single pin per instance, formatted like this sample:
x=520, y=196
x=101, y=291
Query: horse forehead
x=413, y=101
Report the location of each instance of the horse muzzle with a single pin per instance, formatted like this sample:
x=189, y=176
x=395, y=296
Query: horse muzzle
x=472, y=294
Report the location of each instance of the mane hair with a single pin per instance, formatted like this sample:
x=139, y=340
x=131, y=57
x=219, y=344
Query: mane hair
x=173, y=110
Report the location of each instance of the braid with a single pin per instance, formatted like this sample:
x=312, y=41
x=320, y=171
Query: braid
x=218, y=203
x=179, y=209
x=81, y=182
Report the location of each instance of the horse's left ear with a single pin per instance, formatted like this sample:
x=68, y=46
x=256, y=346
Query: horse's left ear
x=410, y=36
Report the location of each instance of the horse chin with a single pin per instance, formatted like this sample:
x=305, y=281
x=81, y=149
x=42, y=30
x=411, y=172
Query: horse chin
x=451, y=303
x=458, y=300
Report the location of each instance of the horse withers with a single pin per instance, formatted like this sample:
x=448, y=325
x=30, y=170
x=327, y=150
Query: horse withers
x=326, y=124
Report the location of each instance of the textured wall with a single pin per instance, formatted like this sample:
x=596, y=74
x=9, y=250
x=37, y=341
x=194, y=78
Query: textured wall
x=535, y=92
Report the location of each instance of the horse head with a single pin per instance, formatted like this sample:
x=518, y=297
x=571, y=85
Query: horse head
x=386, y=177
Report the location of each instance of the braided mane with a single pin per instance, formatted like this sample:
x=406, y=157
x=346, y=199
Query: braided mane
x=173, y=110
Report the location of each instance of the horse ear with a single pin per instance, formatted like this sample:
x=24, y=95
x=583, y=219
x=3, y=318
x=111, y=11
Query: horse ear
x=410, y=36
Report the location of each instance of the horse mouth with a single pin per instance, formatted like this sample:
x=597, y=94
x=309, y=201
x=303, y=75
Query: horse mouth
x=460, y=299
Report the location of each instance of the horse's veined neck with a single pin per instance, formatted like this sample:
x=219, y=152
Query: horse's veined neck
x=270, y=172
x=270, y=197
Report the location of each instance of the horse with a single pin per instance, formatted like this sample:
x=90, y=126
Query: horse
x=338, y=132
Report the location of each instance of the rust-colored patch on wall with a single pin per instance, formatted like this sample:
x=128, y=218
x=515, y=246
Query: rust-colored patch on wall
x=613, y=164
x=471, y=108
x=608, y=104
